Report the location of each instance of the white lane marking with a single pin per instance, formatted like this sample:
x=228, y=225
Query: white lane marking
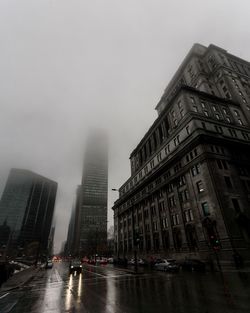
x=5, y=295
x=58, y=277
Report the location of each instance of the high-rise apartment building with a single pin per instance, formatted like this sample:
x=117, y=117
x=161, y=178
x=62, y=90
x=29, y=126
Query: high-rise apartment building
x=27, y=207
x=189, y=190
x=92, y=196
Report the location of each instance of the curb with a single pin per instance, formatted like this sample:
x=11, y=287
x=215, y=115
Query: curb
x=18, y=285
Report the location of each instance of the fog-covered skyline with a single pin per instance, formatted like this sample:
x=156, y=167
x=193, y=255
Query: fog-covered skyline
x=70, y=66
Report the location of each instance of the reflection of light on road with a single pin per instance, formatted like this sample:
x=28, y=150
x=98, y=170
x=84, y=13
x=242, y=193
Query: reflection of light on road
x=53, y=293
x=111, y=296
x=79, y=290
x=68, y=297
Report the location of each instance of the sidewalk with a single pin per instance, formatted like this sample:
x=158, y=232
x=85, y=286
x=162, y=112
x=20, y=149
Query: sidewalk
x=19, y=279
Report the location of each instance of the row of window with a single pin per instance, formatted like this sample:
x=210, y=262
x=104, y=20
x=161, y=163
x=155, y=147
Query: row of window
x=151, y=165
x=181, y=181
x=226, y=116
x=175, y=220
x=232, y=132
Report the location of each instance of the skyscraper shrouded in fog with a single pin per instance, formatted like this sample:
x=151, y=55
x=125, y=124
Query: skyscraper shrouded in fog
x=87, y=233
x=189, y=190
x=27, y=207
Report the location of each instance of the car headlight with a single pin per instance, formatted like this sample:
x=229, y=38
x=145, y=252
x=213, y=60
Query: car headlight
x=80, y=265
x=71, y=266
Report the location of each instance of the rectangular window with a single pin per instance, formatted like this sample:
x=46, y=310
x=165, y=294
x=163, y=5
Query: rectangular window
x=228, y=182
x=224, y=163
x=200, y=187
x=205, y=209
x=187, y=218
x=245, y=135
x=166, y=222
x=195, y=170
x=177, y=219
x=159, y=157
x=186, y=194
x=191, y=215
x=236, y=205
x=218, y=129
x=174, y=219
x=232, y=132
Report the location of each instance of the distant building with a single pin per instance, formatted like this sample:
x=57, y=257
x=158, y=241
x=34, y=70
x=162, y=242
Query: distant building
x=27, y=207
x=51, y=241
x=92, y=196
x=69, y=248
x=189, y=190
x=73, y=236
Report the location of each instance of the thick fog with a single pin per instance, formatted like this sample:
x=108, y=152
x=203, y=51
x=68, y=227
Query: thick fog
x=68, y=65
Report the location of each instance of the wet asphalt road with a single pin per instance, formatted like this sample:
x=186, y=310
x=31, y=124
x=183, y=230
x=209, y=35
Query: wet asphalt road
x=108, y=290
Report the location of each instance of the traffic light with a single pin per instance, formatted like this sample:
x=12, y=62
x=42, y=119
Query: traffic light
x=215, y=243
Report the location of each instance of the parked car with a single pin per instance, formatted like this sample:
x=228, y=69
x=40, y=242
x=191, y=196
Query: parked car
x=165, y=265
x=131, y=261
x=104, y=261
x=193, y=265
x=49, y=264
x=85, y=260
x=101, y=261
x=75, y=266
x=91, y=261
x=142, y=262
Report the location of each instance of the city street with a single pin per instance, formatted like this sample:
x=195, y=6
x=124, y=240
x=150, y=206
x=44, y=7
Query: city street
x=111, y=290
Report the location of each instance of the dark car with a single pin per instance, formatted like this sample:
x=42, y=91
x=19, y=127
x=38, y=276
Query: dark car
x=193, y=265
x=49, y=264
x=75, y=266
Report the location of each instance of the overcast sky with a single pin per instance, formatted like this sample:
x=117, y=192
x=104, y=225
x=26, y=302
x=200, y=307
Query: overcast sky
x=67, y=65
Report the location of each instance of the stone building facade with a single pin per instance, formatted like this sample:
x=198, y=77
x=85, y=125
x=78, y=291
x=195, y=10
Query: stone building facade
x=189, y=190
